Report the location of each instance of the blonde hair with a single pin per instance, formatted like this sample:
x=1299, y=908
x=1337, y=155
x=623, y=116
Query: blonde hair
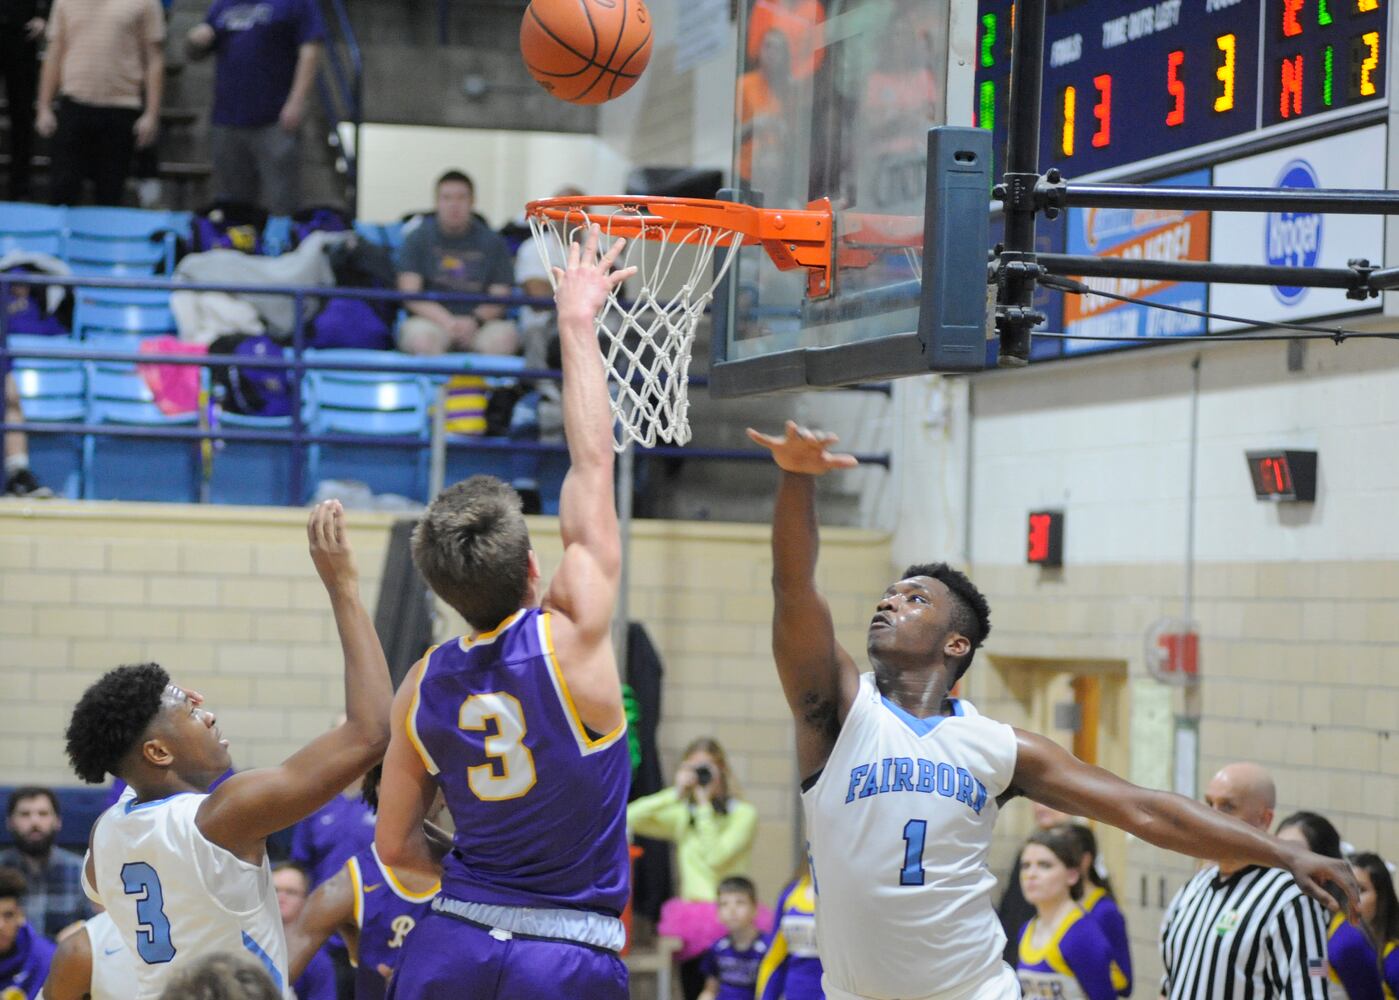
x=222, y=976
x=709, y=745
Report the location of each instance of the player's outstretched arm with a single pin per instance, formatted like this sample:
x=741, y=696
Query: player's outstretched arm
x=70, y=970
x=329, y=910
x=246, y=808
x=1049, y=774
x=584, y=589
x=406, y=792
x=818, y=677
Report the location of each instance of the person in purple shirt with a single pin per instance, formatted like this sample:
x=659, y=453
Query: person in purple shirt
x=266, y=55
x=317, y=980
x=322, y=842
x=520, y=722
x=731, y=964
x=1099, y=902
x=24, y=953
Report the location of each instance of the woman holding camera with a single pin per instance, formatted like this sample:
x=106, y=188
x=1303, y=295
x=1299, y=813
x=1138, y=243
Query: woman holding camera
x=713, y=833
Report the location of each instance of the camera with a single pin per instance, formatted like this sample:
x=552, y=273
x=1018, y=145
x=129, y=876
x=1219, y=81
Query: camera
x=704, y=774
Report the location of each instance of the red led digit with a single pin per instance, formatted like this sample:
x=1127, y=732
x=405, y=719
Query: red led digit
x=1103, y=111
x=1038, y=549
x=1290, y=102
x=1176, y=86
x=1291, y=26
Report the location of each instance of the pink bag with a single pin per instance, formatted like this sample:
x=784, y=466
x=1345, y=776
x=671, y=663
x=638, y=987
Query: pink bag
x=174, y=387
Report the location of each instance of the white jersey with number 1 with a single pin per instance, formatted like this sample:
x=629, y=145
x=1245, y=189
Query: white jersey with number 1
x=175, y=896
x=899, y=822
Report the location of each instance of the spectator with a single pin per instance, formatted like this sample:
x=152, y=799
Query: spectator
x=55, y=898
x=1379, y=909
x=800, y=21
x=791, y=969
x=21, y=27
x=19, y=479
x=1099, y=902
x=265, y=64
x=1062, y=952
x=222, y=977
x=24, y=954
x=293, y=885
x=731, y=964
x=713, y=834
x=452, y=252
x=1015, y=912
x=1313, y=831
x=103, y=58
x=1236, y=931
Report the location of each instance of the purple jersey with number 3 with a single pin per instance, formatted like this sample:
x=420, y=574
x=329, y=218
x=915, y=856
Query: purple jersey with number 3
x=538, y=801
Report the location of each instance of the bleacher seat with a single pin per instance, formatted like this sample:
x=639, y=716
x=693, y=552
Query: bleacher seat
x=368, y=403
x=135, y=468
x=104, y=241
x=37, y=228
x=388, y=235
x=256, y=473
x=53, y=390
x=122, y=310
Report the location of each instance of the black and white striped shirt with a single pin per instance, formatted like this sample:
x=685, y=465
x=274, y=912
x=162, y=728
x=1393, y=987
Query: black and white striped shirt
x=1252, y=936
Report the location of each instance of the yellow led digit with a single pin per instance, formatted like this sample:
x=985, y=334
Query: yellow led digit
x=1066, y=133
x=1224, y=100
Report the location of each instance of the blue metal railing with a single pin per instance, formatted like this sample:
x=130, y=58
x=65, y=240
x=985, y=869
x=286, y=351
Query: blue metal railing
x=341, y=87
x=298, y=436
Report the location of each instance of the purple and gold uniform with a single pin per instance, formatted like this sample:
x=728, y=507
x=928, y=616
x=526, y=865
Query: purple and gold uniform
x=1100, y=905
x=538, y=874
x=791, y=970
x=736, y=968
x=1391, y=970
x=1354, y=965
x=1076, y=962
x=386, y=911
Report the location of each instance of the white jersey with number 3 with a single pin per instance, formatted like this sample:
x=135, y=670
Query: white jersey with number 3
x=900, y=823
x=175, y=896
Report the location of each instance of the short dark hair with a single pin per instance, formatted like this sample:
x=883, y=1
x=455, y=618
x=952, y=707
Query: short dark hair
x=1064, y=845
x=458, y=177
x=222, y=976
x=1088, y=844
x=472, y=547
x=33, y=792
x=111, y=716
x=971, y=613
x=13, y=884
x=369, y=786
x=739, y=883
x=1386, y=904
x=1321, y=835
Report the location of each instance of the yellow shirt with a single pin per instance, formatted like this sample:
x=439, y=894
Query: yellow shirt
x=709, y=846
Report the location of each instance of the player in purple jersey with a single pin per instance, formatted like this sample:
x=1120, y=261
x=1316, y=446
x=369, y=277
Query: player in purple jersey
x=520, y=722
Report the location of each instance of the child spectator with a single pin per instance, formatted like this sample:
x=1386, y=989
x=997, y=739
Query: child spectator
x=1064, y=955
x=731, y=964
x=791, y=970
x=24, y=954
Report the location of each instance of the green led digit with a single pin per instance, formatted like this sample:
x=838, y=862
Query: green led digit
x=986, y=110
x=988, y=39
x=1328, y=66
x=1323, y=15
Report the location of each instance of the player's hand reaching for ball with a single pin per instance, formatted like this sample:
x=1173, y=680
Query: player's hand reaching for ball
x=804, y=452
x=581, y=288
x=330, y=547
x=1316, y=875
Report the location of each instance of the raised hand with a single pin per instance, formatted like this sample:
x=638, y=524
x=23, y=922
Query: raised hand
x=1313, y=873
x=330, y=546
x=804, y=452
x=581, y=288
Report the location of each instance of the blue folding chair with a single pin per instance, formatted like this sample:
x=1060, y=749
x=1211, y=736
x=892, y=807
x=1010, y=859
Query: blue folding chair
x=135, y=468
x=52, y=391
x=123, y=240
x=368, y=403
x=36, y=228
x=101, y=311
x=252, y=473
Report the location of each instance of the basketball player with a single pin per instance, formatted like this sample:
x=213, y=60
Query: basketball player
x=520, y=722
x=183, y=871
x=370, y=905
x=91, y=963
x=901, y=785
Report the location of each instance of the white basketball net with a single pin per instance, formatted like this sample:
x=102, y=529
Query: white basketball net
x=646, y=342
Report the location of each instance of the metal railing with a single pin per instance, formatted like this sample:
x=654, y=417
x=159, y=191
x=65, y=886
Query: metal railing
x=297, y=435
x=341, y=87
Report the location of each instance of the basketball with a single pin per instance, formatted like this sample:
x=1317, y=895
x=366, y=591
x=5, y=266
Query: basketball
x=586, y=51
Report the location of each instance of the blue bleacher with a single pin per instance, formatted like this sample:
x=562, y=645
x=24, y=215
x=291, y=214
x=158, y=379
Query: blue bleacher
x=37, y=228
x=122, y=311
x=53, y=391
x=122, y=240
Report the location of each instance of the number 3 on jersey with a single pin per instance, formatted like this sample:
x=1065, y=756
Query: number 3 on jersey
x=152, y=928
x=505, y=748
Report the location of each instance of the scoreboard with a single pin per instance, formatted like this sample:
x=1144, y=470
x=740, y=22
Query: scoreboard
x=1131, y=81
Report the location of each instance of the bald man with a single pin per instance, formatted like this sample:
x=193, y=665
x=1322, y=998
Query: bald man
x=1237, y=931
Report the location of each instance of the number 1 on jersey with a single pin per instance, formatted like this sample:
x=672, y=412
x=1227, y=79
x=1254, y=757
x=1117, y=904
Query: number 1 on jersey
x=915, y=832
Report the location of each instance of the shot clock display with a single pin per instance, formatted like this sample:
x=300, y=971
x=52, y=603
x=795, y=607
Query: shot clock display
x=1132, y=80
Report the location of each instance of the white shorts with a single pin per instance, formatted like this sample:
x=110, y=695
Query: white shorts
x=1002, y=985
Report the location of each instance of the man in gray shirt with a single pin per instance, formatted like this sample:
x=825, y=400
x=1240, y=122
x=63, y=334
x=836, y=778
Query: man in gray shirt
x=453, y=252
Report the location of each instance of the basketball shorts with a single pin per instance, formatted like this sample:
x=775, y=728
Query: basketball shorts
x=447, y=959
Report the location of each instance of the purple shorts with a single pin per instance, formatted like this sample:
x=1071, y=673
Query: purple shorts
x=448, y=959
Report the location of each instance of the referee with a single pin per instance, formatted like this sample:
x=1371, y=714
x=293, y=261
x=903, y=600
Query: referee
x=1247, y=932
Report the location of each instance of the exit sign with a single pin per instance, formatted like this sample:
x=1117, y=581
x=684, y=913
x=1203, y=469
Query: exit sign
x=1283, y=476
x=1045, y=538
